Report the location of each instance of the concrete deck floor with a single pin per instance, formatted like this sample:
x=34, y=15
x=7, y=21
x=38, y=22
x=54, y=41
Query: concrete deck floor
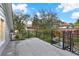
x=33, y=47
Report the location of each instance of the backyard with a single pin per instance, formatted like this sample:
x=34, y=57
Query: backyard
x=47, y=26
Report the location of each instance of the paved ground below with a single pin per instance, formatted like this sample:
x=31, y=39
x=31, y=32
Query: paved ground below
x=33, y=47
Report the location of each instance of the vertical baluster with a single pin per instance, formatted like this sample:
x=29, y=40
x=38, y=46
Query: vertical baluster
x=63, y=38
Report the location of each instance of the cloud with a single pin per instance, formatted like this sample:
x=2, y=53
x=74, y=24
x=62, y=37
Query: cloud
x=62, y=20
x=66, y=7
x=75, y=15
x=33, y=8
x=20, y=7
x=39, y=16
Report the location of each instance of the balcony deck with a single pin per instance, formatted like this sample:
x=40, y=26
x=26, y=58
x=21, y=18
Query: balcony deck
x=33, y=47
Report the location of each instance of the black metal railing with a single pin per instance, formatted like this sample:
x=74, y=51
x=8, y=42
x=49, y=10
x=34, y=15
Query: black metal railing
x=67, y=39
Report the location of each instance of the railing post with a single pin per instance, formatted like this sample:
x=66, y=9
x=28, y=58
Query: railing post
x=28, y=33
x=51, y=37
x=51, y=34
x=36, y=33
x=71, y=41
x=63, y=39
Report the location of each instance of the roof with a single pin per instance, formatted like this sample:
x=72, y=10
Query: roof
x=66, y=24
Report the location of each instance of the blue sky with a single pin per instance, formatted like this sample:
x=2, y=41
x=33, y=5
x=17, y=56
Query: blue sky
x=67, y=12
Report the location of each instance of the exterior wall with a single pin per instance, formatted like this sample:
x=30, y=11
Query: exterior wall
x=4, y=43
x=6, y=15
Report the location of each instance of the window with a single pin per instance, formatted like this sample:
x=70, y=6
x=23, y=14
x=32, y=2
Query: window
x=2, y=28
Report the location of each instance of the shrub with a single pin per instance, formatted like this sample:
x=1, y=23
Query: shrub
x=17, y=36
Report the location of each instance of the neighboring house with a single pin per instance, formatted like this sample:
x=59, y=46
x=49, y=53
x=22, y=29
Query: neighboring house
x=64, y=26
x=29, y=24
x=76, y=27
x=6, y=24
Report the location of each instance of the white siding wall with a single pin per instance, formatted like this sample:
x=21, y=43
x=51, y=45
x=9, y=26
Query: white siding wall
x=8, y=26
x=5, y=41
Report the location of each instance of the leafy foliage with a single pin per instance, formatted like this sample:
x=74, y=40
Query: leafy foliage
x=77, y=23
x=18, y=22
x=47, y=20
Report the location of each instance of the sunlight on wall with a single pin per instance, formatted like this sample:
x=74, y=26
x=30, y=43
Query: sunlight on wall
x=2, y=29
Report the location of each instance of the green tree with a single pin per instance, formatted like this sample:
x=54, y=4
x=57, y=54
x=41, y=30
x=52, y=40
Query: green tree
x=35, y=23
x=77, y=23
x=48, y=19
x=19, y=25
